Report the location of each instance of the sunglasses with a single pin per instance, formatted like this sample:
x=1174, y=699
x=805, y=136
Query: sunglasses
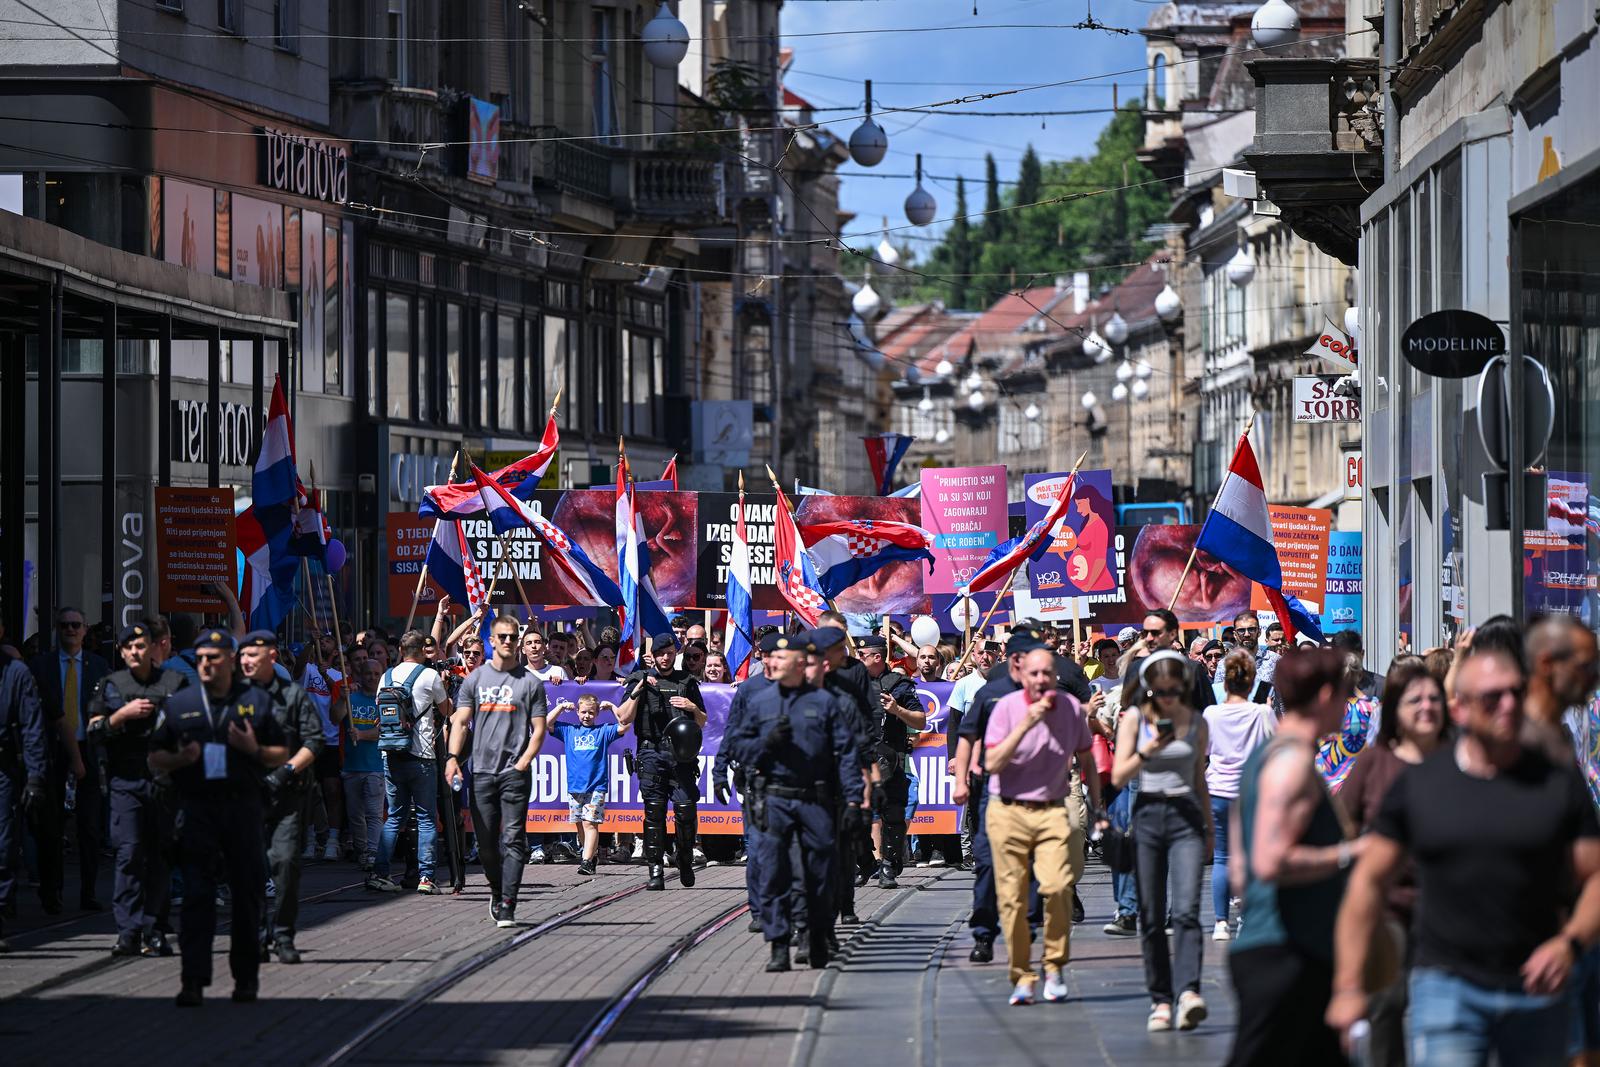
x=505, y=637
x=1166, y=694
x=67, y=624
x=472, y=653
x=1213, y=655
x=1492, y=698
x=1247, y=630
x=1155, y=633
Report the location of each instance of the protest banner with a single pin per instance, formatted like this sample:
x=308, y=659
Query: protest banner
x=1342, y=607
x=195, y=546
x=1082, y=557
x=1301, y=538
x=964, y=508
x=406, y=539
x=1556, y=566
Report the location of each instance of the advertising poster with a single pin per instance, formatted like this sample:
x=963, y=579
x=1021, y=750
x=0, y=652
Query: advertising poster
x=483, y=137
x=1082, y=557
x=547, y=805
x=1556, y=572
x=257, y=238
x=195, y=546
x=406, y=538
x=964, y=508
x=1342, y=607
x=313, y=334
x=188, y=225
x=1301, y=538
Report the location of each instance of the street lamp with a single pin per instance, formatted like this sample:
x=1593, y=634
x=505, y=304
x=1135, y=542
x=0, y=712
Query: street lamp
x=1274, y=24
x=925, y=405
x=944, y=368
x=1031, y=412
x=868, y=143
x=1124, y=371
x=1143, y=370
x=866, y=302
x=666, y=40
x=941, y=437
x=1096, y=349
x=973, y=382
x=1089, y=401
x=888, y=254
x=1119, y=392
x=1169, y=306
x=1241, y=268
x=976, y=400
x=1141, y=389
x=920, y=204
x=1116, y=329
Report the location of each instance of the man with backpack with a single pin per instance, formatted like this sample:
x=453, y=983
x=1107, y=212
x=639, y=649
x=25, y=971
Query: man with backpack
x=411, y=699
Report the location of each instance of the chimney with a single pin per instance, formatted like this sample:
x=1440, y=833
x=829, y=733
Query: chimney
x=1062, y=283
x=1080, y=291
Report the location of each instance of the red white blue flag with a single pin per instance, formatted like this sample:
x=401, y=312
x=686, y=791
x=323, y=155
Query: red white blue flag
x=884, y=453
x=456, y=499
x=794, y=572
x=847, y=551
x=739, y=639
x=1006, y=557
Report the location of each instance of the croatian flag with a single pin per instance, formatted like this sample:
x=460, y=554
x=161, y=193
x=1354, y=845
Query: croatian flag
x=627, y=561
x=1007, y=556
x=1238, y=531
x=585, y=580
x=847, y=551
x=311, y=530
x=451, y=567
x=796, y=575
x=884, y=453
x=741, y=619
x=268, y=526
x=521, y=478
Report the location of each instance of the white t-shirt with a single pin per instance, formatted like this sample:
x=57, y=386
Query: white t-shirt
x=426, y=693
x=550, y=672
x=322, y=685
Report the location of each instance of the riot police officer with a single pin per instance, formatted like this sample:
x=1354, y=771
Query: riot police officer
x=121, y=714
x=22, y=772
x=656, y=697
x=288, y=797
x=214, y=739
x=725, y=761
x=801, y=759
x=900, y=713
x=847, y=678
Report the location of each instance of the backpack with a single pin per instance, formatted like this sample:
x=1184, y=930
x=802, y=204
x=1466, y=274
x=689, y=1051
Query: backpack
x=397, y=713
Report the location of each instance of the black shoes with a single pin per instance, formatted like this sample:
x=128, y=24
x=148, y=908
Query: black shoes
x=863, y=877
x=982, y=950
x=755, y=925
x=849, y=918
x=127, y=945
x=820, y=954
x=287, y=953
x=90, y=904
x=508, y=915
x=658, y=878
x=1077, y=908
x=686, y=871
x=245, y=994
x=886, y=876
x=1122, y=926
x=156, y=944
x=190, y=996
x=802, y=950
x=587, y=867
x=780, y=957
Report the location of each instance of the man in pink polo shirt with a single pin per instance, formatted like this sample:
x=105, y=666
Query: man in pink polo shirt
x=1031, y=740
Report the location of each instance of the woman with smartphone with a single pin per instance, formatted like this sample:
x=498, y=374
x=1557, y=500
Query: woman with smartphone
x=1163, y=741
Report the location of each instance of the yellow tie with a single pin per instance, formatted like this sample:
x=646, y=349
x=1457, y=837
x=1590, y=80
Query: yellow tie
x=69, y=696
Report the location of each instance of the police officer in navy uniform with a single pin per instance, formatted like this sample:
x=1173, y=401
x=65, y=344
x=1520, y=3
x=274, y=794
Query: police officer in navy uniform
x=801, y=757
x=122, y=712
x=847, y=678
x=900, y=715
x=720, y=767
x=23, y=766
x=667, y=769
x=288, y=796
x=214, y=739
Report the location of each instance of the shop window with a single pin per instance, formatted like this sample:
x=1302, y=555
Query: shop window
x=397, y=342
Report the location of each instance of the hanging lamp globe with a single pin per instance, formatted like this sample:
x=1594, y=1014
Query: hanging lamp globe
x=921, y=207
x=1119, y=392
x=866, y=302
x=925, y=405
x=1096, y=349
x=666, y=40
x=868, y=143
x=941, y=437
x=1116, y=329
x=888, y=254
x=1168, y=305
x=1241, y=268
x=1089, y=401
x=1352, y=323
x=944, y=368
x=1031, y=412
x=1143, y=369
x=976, y=401
x=1124, y=371
x=1141, y=389
x=1275, y=24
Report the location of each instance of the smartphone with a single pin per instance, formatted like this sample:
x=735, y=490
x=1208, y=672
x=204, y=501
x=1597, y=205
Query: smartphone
x=1164, y=727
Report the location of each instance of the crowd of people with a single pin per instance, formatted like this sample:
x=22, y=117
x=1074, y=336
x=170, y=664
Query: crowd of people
x=1405, y=863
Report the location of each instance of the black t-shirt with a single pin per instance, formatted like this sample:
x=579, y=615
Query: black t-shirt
x=1492, y=858
x=975, y=723
x=889, y=729
x=852, y=682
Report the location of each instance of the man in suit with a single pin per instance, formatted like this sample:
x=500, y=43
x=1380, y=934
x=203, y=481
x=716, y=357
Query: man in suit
x=67, y=676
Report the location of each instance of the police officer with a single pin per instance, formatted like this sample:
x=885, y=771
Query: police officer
x=800, y=754
x=725, y=762
x=121, y=714
x=659, y=694
x=900, y=713
x=23, y=764
x=288, y=797
x=847, y=678
x=214, y=739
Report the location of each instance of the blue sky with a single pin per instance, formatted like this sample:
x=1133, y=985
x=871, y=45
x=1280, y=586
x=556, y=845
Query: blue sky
x=828, y=72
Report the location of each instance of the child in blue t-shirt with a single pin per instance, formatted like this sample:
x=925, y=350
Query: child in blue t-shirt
x=363, y=769
x=587, y=771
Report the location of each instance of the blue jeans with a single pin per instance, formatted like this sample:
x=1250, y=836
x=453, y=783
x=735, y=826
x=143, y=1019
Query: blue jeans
x=1219, y=857
x=1124, y=887
x=1455, y=1023
x=414, y=783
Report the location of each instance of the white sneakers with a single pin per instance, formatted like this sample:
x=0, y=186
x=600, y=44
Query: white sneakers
x=1220, y=932
x=379, y=884
x=1160, y=1019
x=1055, y=987
x=1022, y=995
x=1191, y=1010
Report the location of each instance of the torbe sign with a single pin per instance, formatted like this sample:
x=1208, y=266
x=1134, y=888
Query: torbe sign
x=1452, y=343
x=304, y=166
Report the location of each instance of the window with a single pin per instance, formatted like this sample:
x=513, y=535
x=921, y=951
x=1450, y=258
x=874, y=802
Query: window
x=605, y=363
x=286, y=24
x=532, y=376
x=397, y=341
x=557, y=361
x=332, y=319
x=374, y=340
x=642, y=385
x=399, y=67
x=174, y=6
x=1158, y=84
x=486, y=407
x=600, y=73
x=507, y=367
x=452, y=414
x=227, y=15
x=425, y=398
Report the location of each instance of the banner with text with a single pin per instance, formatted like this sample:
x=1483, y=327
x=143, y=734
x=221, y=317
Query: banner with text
x=1342, y=610
x=1082, y=557
x=1301, y=538
x=195, y=547
x=964, y=508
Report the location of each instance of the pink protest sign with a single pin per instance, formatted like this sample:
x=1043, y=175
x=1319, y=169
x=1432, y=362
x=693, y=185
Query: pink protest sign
x=965, y=510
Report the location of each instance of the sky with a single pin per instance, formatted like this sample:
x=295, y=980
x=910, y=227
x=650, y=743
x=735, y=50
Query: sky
x=913, y=69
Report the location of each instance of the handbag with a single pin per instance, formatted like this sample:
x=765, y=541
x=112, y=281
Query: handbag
x=1116, y=845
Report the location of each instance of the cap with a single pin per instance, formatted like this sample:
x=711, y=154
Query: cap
x=1212, y=646
x=823, y=638
x=1127, y=633
x=665, y=638
x=769, y=643
x=215, y=638
x=873, y=641
x=428, y=641
x=800, y=642
x=260, y=639
x=1023, y=639
x=131, y=633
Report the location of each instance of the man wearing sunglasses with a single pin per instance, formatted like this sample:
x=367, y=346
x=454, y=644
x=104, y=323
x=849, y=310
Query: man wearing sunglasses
x=67, y=677
x=1247, y=631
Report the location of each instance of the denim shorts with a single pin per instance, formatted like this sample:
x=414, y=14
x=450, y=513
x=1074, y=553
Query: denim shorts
x=587, y=807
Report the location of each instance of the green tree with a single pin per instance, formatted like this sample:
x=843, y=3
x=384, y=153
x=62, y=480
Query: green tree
x=958, y=240
x=1030, y=179
x=994, y=221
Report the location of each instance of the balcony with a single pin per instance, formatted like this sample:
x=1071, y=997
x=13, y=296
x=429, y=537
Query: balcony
x=1318, y=148
x=677, y=186
x=391, y=121
x=580, y=169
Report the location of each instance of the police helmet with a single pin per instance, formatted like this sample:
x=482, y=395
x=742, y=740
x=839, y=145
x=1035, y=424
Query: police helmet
x=683, y=733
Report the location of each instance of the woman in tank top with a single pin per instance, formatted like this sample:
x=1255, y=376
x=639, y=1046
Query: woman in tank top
x=1163, y=741
x=1288, y=862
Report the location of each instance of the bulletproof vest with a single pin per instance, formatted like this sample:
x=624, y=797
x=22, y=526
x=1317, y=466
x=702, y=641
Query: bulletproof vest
x=851, y=682
x=655, y=709
x=892, y=730
x=282, y=713
x=126, y=750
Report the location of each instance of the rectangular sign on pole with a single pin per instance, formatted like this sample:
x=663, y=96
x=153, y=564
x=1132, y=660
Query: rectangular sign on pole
x=1301, y=538
x=1343, y=608
x=1082, y=557
x=1315, y=401
x=965, y=510
x=195, y=546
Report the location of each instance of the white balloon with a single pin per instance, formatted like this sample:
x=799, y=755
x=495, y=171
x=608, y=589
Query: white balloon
x=925, y=630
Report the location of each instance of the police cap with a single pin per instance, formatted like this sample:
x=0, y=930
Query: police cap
x=873, y=641
x=132, y=633
x=823, y=638
x=665, y=639
x=259, y=639
x=1024, y=638
x=800, y=642
x=215, y=638
x=769, y=643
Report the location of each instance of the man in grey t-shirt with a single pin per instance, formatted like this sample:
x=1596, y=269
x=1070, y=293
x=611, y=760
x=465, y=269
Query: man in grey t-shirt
x=504, y=705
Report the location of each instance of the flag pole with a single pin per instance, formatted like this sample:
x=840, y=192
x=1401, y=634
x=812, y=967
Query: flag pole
x=1249, y=422
x=984, y=625
x=788, y=507
x=422, y=578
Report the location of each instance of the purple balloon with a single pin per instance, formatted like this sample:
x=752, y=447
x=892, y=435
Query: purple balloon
x=335, y=556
